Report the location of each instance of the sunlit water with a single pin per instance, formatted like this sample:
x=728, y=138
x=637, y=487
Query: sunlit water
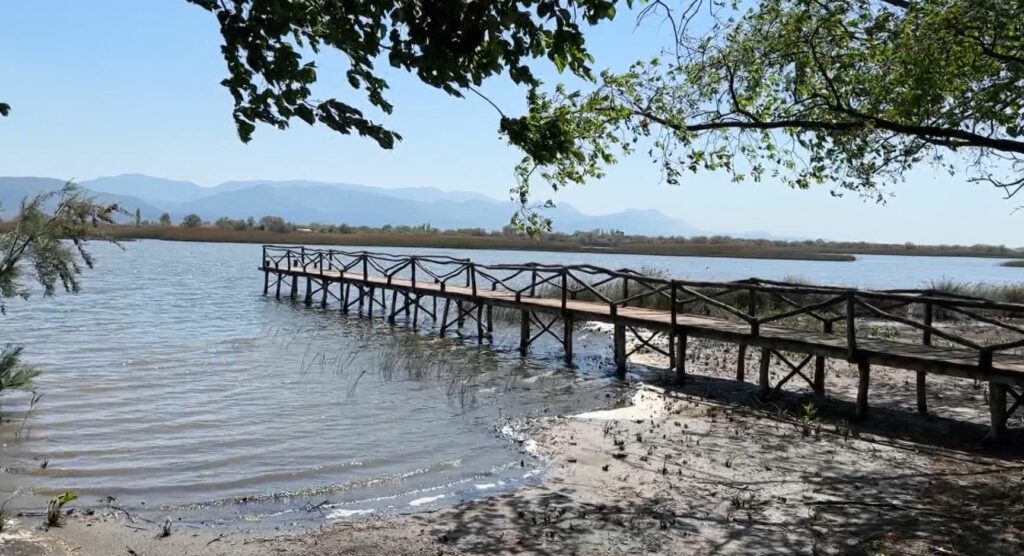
x=171, y=384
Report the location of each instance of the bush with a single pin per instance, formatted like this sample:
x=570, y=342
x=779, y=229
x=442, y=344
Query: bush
x=191, y=221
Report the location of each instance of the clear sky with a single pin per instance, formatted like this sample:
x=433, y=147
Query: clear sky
x=110, y=87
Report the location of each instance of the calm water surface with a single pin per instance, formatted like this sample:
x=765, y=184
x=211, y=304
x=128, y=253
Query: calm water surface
x=172, y=385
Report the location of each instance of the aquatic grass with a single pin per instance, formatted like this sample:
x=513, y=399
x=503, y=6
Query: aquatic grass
x=53, y=508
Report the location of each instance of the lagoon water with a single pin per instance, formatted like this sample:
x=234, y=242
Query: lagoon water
x=171, y=384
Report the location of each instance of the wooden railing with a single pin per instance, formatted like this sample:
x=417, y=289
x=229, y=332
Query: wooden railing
x=756, y=302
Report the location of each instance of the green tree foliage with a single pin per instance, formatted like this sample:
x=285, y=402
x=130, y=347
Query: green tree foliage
x=270, y=48
x=48, y=244
x=165, y=219
x=273, y=224
x=13, y=375
x=849, y=93
x=191, y=221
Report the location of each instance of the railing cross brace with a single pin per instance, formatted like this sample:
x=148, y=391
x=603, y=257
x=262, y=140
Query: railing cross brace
x=796, y=369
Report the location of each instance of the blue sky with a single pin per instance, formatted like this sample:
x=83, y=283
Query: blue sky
x=122, y=86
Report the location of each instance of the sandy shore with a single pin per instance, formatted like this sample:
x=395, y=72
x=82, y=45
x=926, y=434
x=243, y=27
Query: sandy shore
x=705, y=469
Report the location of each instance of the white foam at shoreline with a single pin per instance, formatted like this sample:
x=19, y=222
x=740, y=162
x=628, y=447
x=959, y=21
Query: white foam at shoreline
x=342, y=513
x=426, y=500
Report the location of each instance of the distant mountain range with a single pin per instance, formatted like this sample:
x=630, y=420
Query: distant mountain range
x=334, y=203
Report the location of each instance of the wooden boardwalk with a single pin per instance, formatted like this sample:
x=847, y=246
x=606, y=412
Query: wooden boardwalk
x=751, y=314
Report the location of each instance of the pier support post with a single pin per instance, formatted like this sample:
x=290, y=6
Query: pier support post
x=444, y=317
x=324, y=286
x=741, y=363
x=819, y=367
x=567, y=326
x=490, y=322
x=277, y=293
x=309, y=291
x=819, y=378
x=864, y=369
x=479, y=323
x=997, y=408
x=394, y=306
x=922, y=399
x=344, y=297
x=764, y=379
x=415, y=308
x=295, y=287
x=619, y=347
x=460, y=318
x=266, y=282
x=524, y=332
x=680, y=358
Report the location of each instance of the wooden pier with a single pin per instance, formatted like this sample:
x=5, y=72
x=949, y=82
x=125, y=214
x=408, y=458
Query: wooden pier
x=771, y=316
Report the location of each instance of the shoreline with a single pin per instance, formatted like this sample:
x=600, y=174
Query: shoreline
x=694, y=470
x=442, y=241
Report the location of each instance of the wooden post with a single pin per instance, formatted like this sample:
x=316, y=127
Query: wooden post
x=444, y=317
x=741, y=363
x=324, y=286
x=997, y=408
x=490, y=321
x=415, y=309
x=619, y=347
x=567, y=338
x=926, y=339
x=266, y=282
x=479, y=322
x=344, y=297
x=524, y=332
x=764, y=379
x=369, y=301
x=309, y=290
x=394, y=305
x=851, y=327
x=277, y=293
x=864, y=369
x=681, y=357
x=819, y=367
x=295, y=287
x=460, y=318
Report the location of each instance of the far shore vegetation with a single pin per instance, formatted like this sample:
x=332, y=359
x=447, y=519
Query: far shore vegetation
x=1015, y=263
x=274, y=229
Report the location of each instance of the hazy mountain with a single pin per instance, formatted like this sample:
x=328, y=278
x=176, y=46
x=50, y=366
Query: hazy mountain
x=334, y=203
x=424, y=194
x=14, y=189
x=156, y=191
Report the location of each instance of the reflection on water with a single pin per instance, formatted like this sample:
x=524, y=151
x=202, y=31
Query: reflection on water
x=170, y=382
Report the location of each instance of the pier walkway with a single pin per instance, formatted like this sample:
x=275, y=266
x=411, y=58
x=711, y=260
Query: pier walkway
x=798, y=325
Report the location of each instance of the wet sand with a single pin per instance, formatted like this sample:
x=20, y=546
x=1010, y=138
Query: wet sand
x=697, y=470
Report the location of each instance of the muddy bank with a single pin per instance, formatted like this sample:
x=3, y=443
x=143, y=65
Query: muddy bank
x=702, y=469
